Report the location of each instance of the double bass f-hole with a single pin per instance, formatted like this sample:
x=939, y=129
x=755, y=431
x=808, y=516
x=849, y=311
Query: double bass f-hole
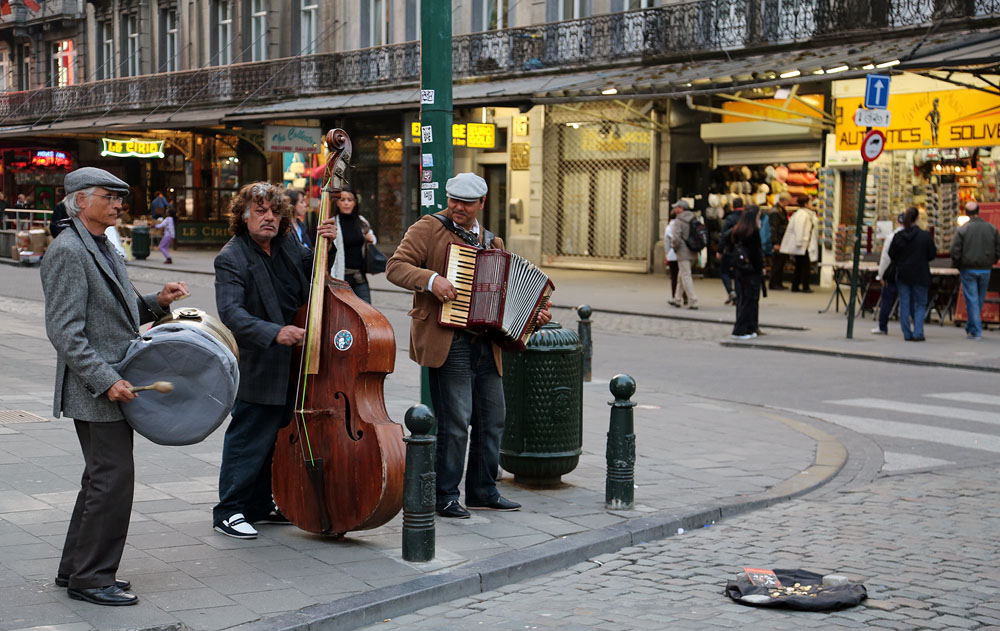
x=350, y=423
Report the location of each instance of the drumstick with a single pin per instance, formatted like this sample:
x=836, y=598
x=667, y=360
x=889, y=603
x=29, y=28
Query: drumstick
x=159, y=386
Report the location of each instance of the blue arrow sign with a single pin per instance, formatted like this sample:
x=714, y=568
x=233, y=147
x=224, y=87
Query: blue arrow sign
x=877, y=92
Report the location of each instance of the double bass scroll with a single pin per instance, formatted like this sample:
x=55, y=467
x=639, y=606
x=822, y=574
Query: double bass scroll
x=338, y=465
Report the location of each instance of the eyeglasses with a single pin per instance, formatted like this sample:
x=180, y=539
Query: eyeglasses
x=110, y=198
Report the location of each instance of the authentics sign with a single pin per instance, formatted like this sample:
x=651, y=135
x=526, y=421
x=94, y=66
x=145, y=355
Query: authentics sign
x=292, y=139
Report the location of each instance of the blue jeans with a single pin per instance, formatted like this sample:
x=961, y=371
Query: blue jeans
x=245, y=475
x=974, y=285
x=912, y=304
x=361, y=290
x=885, y=305
x=467, y=394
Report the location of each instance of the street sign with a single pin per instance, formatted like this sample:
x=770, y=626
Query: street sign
x=872, y=118
x=872, y=146
x=877, y=92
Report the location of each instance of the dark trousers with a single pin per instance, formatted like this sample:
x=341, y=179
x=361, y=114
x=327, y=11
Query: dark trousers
x=467, y=394
x=247, y=451
x=777, y=270
x=886, y=302
x=747, y=304
x=98, y=526
x=801, y=277
x=673, y=277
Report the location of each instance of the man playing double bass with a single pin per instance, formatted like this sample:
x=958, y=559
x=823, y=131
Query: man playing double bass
x=262, y=277
x=463, y=368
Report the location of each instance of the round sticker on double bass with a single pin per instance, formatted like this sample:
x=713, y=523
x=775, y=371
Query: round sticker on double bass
x=343, y=340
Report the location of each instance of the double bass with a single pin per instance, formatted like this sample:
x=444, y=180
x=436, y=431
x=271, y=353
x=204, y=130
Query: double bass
x=338, y=465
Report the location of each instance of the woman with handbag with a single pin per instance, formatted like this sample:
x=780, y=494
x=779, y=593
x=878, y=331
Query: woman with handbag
x=745, y=254
x=352, y=244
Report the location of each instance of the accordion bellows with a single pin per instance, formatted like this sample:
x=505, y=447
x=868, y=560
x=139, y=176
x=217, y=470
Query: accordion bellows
x=498, y=292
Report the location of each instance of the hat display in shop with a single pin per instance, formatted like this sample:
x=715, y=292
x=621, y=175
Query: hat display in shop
x=781, y=173
x=86, y=177
x=745, y=170
x=466, y=187
x=713, y=200
x=768, y=173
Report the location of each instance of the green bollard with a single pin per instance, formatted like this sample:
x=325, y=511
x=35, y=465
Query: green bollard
x=419, y=485
x=619, y=489
x=583, y=330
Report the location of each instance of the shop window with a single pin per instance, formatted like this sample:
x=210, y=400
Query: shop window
x=5, y=71
x=258, y=30
x=106, y=51
x=168, y=41
x=133, y=65
x=222, y=54
x=63, y=57
x=308, y=34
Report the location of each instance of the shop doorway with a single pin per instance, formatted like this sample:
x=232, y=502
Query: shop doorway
x=495, y=211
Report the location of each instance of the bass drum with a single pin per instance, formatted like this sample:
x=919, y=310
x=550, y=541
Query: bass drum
x=198, y=355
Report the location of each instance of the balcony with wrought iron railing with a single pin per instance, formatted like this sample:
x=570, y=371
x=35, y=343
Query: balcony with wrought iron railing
x=683, y=30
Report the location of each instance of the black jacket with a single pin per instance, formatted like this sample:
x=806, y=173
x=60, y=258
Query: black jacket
x=751, y=245
x=976, y=245
x=911, y=250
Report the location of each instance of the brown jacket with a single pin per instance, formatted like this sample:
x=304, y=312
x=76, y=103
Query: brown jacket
x=422, y=252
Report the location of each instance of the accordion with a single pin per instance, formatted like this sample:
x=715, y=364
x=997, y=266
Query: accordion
x=498, y=293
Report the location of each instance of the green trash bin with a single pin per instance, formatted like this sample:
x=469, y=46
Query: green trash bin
x=140, y=242
x=543, y=389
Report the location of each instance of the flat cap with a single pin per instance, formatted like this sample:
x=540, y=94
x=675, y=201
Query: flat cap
x=466, y=187
x=86, y=177
x=682, y=204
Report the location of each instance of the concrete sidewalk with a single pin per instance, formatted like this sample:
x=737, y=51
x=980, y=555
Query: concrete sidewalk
x=188, y=576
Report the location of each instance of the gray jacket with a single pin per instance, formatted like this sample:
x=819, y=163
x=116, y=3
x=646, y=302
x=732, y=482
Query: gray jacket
x=681, y=232
x=976, y=245
x=88, y=323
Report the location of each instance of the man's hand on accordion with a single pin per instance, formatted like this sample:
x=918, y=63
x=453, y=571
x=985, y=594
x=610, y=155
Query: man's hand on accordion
x=544, y=316
x=443, y=290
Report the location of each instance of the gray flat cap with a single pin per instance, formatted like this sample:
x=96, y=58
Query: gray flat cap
x=466, y=187
x=682, y=204
x=91, y=176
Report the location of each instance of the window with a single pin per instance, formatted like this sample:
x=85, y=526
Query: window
x=258, y=30
x=62, y=63
x=24, y=66
x=132, y=63
x=106, y=53
x=572, y=9
x=5, y=70
x=169, y=48
x=638, y=4
x=494, y=15
x=309, y=43
x=224, y=32
x=378, y=34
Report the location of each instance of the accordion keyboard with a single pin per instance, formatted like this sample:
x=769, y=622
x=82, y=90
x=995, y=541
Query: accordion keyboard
x=461, y=273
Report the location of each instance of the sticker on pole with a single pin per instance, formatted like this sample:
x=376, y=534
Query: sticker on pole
x=872, y=145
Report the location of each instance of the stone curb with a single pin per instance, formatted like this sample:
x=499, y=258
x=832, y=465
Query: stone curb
x=813, y=350
x=374, y=606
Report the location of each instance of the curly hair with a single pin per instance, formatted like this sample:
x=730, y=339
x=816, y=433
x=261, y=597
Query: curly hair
x=259, y=192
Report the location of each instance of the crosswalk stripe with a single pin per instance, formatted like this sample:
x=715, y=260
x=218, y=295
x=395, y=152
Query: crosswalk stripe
x=967, y=397
x=898, y=461
x=894, y=429
x=951, y=413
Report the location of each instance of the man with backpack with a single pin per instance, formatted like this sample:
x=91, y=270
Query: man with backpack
x=690, y=236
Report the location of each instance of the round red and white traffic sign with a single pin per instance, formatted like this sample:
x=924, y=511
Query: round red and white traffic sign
x=872, y=145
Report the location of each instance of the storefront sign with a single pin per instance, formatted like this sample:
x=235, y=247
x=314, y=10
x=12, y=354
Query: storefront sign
x=202, y=232
x=950, y=118
x=292, y=139
x=47, y=158
x=133, y=147
x=475, y=135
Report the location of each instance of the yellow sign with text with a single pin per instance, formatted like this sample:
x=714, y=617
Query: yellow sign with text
x=951, y=118
x=475, y=135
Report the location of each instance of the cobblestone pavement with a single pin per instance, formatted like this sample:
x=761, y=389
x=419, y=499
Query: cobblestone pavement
x=921, y=543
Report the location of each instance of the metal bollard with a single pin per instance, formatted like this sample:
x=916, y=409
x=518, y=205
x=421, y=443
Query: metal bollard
x=619, y=489
x=583, y=331
x=419, y=485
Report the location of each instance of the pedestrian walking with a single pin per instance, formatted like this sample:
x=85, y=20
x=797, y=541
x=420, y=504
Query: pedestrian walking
x=671, y=254
x=801, y=242
x=912, y=250
x=685, y=288
x=975, y=251
x=747, y=256
x=887, y=278
x=169, y=233
x=725, y=265
x=779, y=223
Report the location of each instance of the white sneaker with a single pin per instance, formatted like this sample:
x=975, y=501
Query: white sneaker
x=237, y=527
x=878, y=331
x=748, y=336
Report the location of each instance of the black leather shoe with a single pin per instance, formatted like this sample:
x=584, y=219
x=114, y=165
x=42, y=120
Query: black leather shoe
x=120, y=583
x=110, y=595
x=499, y=504
x=453, y=509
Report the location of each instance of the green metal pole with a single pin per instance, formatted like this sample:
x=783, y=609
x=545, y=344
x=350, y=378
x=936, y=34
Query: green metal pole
x=436, y=117
x=857, y=246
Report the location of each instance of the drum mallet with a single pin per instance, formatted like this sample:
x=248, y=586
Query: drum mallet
x=159, y=386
